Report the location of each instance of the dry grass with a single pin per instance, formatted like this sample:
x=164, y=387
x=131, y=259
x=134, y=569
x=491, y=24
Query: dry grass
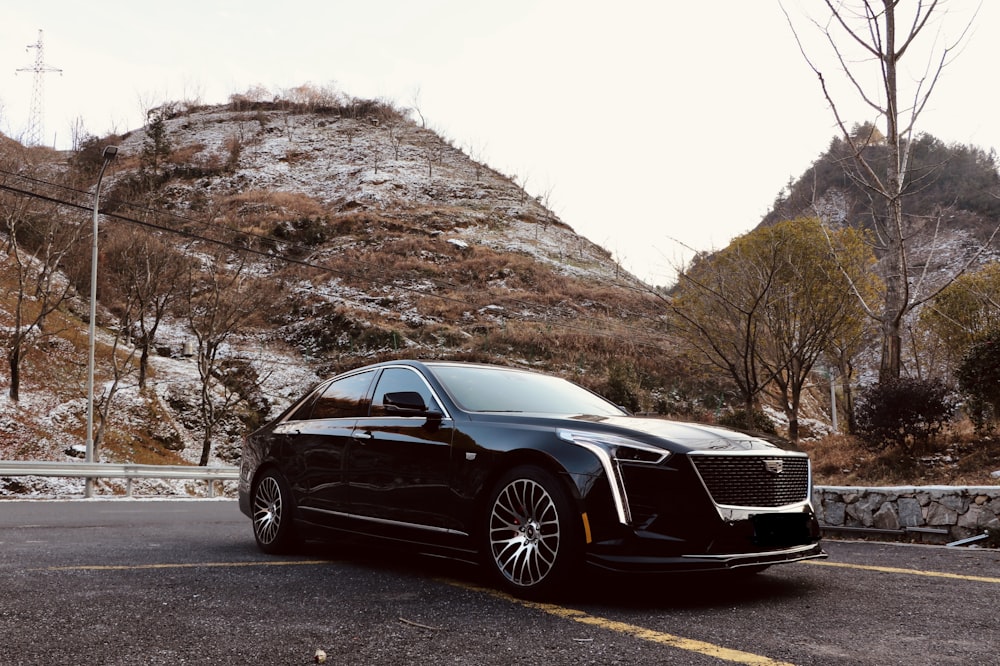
x=55, y=362
x=138, y=448
x=263, y=208
x=185, y=154
x=960, y=458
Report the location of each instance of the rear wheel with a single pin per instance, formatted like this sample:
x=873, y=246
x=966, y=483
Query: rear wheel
x=532, y=536
x=273, y=525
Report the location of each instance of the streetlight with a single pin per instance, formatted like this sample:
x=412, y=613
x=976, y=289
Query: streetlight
x=108, y=155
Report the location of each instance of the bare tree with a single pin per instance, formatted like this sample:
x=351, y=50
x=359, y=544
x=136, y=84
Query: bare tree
x=476, y=157
x=375, y=152
x=144, y=275
x=416, y=108
x=394, y=128
x=122, y=363
x=717, y=311
x=38, y=244
x=434, y=151
x=220, y=300
x=885, y=35
x=522, y=185
x=77, y=133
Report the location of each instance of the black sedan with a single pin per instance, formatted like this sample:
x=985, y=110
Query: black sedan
x=527, y=473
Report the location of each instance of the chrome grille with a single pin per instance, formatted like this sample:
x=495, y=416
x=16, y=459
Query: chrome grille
x=754, y=481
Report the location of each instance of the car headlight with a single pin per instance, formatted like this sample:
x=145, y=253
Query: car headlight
x=613, y=450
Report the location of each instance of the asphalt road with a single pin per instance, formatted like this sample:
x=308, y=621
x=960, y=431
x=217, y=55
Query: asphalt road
x=181, y=582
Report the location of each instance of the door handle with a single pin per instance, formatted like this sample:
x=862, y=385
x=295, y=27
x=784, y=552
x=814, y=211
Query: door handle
x=361, y=434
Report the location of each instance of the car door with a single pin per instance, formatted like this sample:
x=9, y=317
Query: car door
x=399, y=461
x=316, y=441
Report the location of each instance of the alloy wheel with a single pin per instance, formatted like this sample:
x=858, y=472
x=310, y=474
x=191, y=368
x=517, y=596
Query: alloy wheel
x=267, y=510
x=524, y=532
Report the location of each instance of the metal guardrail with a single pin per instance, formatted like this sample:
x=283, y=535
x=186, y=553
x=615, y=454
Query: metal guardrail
x=128, y=471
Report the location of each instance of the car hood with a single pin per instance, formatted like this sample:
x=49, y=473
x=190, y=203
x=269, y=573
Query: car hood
x=690, y=436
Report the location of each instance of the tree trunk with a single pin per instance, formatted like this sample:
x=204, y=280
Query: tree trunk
x=15, y=373
x=792, y=407
x=750, y=408
x=143, y=364
x=896, y=294
x=896, y=286
x=206, y=450
x=793, y=426
x=847, y=402
x=207, y=410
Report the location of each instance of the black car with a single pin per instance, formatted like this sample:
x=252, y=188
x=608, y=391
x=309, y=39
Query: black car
x=530, y=474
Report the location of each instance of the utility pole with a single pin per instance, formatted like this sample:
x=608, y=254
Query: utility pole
x=36, y=117
x=833, y=396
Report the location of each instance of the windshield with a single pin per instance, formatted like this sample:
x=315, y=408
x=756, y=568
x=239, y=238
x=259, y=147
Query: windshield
x=488, y=389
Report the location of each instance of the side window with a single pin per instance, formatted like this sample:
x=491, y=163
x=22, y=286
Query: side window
x=304, y=409
x=344, y=398
x=401, y=381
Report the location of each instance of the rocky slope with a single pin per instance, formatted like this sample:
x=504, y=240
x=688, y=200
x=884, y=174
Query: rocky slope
x=374, y=237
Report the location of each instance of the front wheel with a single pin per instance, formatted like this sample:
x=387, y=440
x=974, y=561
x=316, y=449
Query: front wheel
x=273, y=526
x=532, y=535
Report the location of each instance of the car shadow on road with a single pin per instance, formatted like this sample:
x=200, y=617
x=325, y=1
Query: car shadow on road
x=702, y=590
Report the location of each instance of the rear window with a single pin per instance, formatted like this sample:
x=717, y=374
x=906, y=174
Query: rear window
x=345, y=397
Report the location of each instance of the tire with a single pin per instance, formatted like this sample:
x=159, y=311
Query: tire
x=273, y=519
x=532, y=538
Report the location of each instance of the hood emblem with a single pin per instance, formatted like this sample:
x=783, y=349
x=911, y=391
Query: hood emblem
x=774, y=466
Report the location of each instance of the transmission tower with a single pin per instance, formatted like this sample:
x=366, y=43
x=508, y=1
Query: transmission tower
x=36, y=118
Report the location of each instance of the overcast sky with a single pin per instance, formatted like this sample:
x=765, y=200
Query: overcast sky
x=653, y=128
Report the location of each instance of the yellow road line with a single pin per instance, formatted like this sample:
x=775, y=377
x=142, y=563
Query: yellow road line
x=679, y=642
x=661, y=638
x=642, y=633
x=910, y=572
x=191, y=565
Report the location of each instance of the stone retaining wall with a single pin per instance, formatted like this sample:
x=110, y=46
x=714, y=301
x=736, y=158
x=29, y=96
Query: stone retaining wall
x=950, y=512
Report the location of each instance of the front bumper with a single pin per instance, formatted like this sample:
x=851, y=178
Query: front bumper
x=677, y=524
x=644, y=563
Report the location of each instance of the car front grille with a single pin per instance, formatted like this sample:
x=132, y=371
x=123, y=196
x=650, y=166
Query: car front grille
x=754, y=481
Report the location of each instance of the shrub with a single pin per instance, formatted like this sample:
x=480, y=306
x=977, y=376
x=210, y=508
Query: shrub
x=904, y=412
x=982, y=414
x=978, y=377
x=622, y=387
x=89, y=156
x=758, y=421
x=240, y=378
x=306, y=231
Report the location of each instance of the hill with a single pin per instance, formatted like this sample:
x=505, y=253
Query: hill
x=951, y=204
x=249, y=249
x=951, y=201
x=324, y=234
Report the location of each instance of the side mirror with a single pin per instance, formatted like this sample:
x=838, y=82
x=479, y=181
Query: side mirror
x=404, y=402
